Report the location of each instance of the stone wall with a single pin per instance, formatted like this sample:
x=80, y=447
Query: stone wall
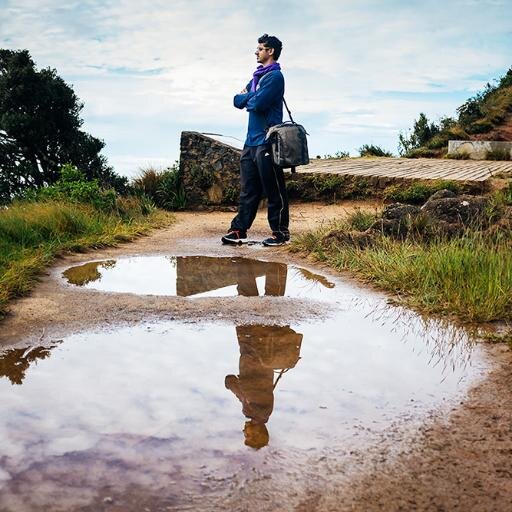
x=210, y=170
x=480, y=149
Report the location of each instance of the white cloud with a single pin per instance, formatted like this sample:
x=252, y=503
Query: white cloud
x=183, y=60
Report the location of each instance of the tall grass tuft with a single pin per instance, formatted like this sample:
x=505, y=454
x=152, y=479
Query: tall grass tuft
x=32, y=233
x=470, y=276
x=164, y=187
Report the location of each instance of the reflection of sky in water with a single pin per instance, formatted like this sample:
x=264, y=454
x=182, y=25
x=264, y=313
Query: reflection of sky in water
x=199, y=276
x=167, y=381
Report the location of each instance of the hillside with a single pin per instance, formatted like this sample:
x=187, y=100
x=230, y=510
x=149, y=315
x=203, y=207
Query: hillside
x=502, y=131
x=485, y=116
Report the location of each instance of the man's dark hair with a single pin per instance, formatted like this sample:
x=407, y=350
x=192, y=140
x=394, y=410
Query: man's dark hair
x=272, y=42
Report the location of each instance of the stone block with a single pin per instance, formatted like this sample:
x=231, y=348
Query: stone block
x=479, y=149
x=210, y=169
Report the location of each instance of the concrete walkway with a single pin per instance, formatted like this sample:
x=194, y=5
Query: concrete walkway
x=414, y=168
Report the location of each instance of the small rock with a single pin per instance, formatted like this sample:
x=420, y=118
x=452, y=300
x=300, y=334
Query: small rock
x=399, y=211
x=455, y=210
x=442, y=194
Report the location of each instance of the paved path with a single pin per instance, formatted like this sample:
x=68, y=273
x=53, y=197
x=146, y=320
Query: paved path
x=419, y=168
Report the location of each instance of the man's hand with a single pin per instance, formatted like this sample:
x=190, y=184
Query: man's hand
x=244, y=91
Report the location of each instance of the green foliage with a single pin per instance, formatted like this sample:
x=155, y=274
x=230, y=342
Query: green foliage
x=147, y=181
x=40, y=129
x=479, y=114
x=507, y=194
x=498, y=154
x=132, y=207
x=339, y=154
x=230, y=195
x=504, y=196
x=327, y=186
x=418, y=192
x=469, y=276
x=203, y=177
x=424, y=153
x=72, y=186
x=459, y=156
x=32, y=233
x=170, y=193
x=506, y=80
x=163, y=187
x=371, y=150
x=423, y=130
x=482, y=112
x=471, y=110
x=361, y=220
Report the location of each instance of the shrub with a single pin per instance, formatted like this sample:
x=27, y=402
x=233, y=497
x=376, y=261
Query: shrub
x=131, y=207
x=73, y=186
x=419, y=192
x=479, y=114
x=498, y=154
x=163, y=187
x=147, y=182
x=170, y=194
x=503, y=197
x=507, y=194
x=424, y=153
x=339, y=154
x=371, y=150
x=422, y=131
x=459, y=156
x=361, y=220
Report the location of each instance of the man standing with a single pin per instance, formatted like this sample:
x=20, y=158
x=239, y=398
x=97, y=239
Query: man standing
x=263, y=99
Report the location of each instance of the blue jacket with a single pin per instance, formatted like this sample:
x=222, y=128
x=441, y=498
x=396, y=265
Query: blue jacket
x=265, y=106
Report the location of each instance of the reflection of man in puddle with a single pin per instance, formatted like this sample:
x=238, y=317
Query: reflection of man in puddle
x=275, y=278
x=263, y=350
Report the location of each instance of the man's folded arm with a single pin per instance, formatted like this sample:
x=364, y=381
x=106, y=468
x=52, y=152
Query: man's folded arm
x=270, y=89
x=240, y=100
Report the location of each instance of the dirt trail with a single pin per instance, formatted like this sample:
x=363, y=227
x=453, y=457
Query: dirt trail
x=34, y=317
x=460, y=461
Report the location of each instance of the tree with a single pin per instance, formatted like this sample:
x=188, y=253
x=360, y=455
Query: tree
x=422, y=132
x=40, y=129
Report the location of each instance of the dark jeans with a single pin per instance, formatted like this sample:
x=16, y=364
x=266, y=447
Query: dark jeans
x=258, y=176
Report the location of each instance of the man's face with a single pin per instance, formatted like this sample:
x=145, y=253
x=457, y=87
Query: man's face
x=263, y=54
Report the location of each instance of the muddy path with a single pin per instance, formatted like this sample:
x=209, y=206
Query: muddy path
x=402, y=438
x=194, y=233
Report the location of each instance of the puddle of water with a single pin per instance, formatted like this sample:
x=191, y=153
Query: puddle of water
x=198, y=276
x=172, y=405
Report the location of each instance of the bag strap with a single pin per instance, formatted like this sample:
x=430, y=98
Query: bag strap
x=288, y=110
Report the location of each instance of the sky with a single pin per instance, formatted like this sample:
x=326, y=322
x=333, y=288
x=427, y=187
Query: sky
x=356, y=71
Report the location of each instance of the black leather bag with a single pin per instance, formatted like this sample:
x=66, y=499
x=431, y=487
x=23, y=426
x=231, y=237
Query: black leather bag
x=288, y=143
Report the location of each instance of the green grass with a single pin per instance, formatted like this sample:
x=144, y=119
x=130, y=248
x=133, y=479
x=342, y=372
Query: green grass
x=33, y=233
x=418, y=192
x=468, y=277
x=361, y=220
x=498, y=154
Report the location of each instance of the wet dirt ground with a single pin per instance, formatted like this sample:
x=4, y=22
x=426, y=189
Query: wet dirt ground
x=378, y=409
